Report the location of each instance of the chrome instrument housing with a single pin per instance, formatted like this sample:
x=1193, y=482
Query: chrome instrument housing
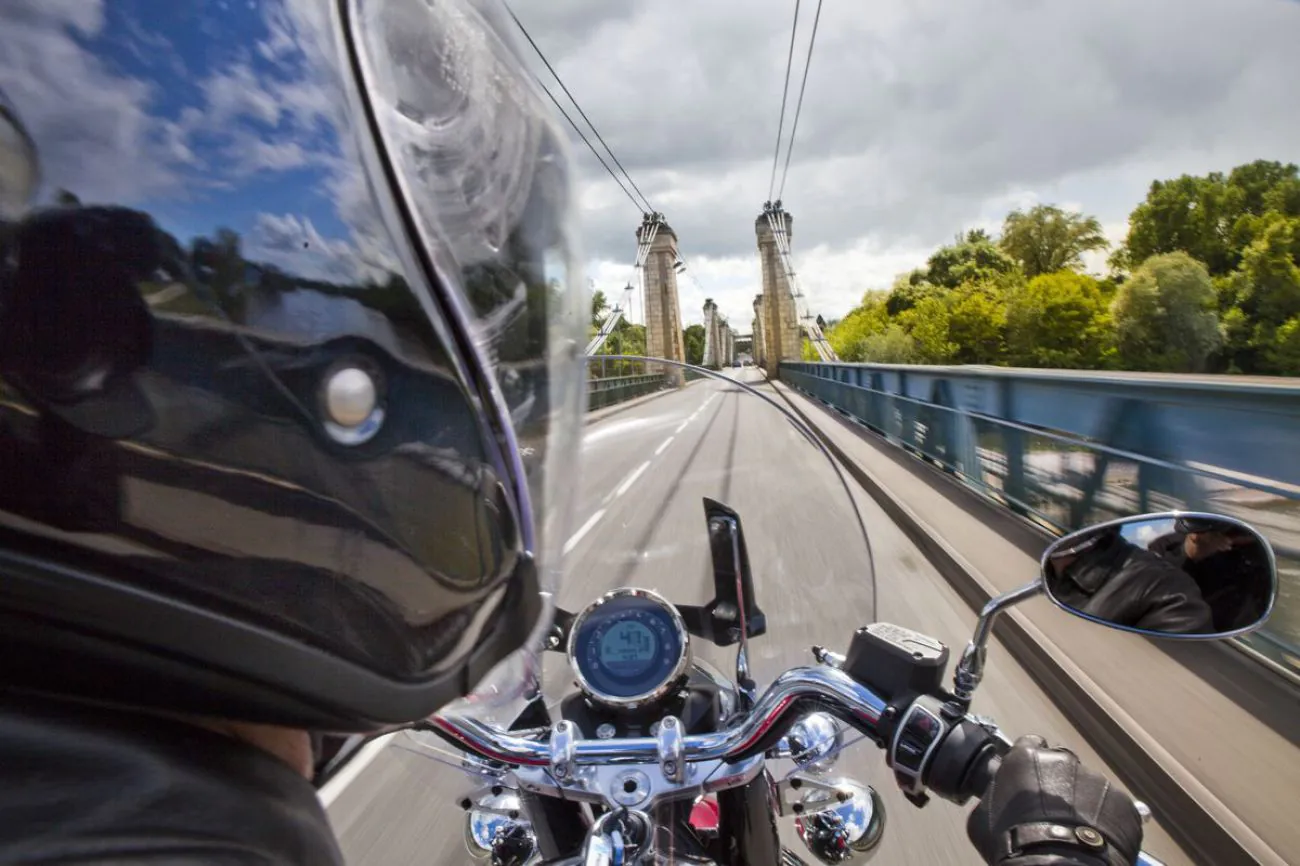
x=665, y=686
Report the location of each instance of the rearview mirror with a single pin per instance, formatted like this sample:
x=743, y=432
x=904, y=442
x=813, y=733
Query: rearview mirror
x=1187, y=575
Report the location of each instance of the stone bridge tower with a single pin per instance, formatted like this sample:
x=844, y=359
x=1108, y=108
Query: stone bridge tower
x=663, y=316
x=781, y=335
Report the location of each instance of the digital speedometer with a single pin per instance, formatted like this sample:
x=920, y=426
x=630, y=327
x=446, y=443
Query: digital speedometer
x=628, y=648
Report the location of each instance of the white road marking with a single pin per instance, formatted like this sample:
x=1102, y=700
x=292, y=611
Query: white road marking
x=330, y=791
x=631, y=479
x=586, y=527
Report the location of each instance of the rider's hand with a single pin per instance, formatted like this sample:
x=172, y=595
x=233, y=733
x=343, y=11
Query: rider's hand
x=1044, y=808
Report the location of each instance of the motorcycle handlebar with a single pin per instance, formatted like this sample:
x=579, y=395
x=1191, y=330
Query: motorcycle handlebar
x=776, y=709
x=779, y=706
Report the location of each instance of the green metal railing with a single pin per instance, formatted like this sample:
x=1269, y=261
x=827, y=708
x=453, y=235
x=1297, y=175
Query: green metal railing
x=607, y=391
x=1069, y=449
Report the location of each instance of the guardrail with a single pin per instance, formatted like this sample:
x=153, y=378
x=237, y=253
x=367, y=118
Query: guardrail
x=616, y=389
x=1067, y=449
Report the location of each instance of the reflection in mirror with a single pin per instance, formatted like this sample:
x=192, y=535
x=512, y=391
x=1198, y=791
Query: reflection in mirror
x=1196, y=575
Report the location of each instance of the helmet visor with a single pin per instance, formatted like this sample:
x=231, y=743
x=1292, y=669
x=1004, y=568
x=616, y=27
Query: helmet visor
x=483, y=168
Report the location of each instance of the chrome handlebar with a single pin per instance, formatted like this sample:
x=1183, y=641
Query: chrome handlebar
x=778, y=707
x=775, y=710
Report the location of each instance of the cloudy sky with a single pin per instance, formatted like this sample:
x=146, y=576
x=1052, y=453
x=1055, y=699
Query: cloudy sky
x=921, y=118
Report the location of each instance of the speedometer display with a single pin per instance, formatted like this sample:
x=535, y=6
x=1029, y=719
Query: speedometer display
x=628, y=648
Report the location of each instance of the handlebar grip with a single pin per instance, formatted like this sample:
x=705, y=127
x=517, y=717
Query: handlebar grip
x=965, y=762
x=981, y=775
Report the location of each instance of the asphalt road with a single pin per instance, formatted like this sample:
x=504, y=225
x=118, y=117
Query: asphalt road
x=641, y=523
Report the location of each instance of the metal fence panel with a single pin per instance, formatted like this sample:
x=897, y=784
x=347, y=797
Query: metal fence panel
x=1068, y=449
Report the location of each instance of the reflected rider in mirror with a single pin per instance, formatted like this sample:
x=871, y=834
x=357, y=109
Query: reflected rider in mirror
x=1225, y=561
x=1105, y=576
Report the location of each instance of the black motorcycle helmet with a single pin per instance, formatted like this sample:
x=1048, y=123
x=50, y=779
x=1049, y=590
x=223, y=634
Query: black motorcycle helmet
x=289, y=370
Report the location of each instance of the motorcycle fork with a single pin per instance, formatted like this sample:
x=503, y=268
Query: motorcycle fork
x=747, y=829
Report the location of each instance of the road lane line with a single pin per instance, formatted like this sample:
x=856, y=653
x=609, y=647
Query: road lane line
x=661, y=448
x=682, y=426
x=330, y=791
x=631, y=479
x=586, y=527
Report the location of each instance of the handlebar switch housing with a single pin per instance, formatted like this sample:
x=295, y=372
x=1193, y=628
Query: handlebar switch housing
x=896, y=661
x=917, y=736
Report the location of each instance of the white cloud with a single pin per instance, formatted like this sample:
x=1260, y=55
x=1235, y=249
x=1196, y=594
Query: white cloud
x=73, y=104
x=293, y=243
x=237, y=93
x=921, y=119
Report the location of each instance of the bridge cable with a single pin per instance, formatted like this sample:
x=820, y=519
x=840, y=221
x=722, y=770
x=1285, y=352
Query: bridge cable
x=799, y=105
x=599, y=138
x=785, y=95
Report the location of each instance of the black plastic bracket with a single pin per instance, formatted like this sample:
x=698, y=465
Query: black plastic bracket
x=733, y=583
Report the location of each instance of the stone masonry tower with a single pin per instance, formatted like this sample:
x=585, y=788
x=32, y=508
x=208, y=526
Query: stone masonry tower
x=712, y=335
x=780, y=321
x=758, y=344
x=663, y=316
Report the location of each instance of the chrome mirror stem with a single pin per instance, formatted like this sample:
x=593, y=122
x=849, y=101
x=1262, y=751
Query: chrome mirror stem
x=970, y=668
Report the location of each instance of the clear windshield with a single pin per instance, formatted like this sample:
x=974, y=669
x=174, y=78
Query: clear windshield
x=652, y=451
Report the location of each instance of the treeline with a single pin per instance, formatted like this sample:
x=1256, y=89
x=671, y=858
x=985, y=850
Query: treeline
x=1207, y=280
x=630, y=339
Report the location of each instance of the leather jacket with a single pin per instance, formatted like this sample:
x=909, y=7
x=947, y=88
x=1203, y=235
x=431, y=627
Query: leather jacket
x=93, y=785
x=1229, y=581
x=1121, y=583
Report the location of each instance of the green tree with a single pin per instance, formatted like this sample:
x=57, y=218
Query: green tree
x=599, y=304
x=927, y=323
x=1058, y=320
x=1048, y=239
x=1257, y=184
x=1202, y=215
x=693, y=340
x=890, y=346
x=975, y=259
x=1262, y=296
x=907, y=291
x=1188, y=213
x=626, y=339
x=1165, y=316
x=1283, y=354
x=219, y=268
x=848, y=336
x=977, y=318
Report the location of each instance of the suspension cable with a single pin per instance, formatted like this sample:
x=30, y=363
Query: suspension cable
x=794, y=128
x=785, y=94
x=576, y=105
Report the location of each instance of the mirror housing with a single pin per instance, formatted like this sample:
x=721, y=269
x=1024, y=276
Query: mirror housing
x=1175, y=574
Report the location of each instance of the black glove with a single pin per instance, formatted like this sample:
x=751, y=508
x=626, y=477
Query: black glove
x=1044, y=808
